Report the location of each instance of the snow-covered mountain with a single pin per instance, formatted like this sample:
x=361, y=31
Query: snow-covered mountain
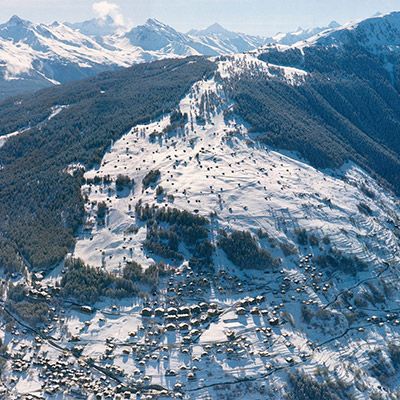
x=215, y=40
x=376, y=40
x=301, y=34
x=156, y=36
x=377, y=34
x=97, y=27
x=33, y=56
x=227, y=41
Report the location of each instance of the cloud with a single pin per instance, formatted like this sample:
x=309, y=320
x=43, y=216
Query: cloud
x=103, y=9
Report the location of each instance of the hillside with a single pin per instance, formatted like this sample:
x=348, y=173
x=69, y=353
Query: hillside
x=199, y=228
x=328, y=117
x=34, y=162
x=346, y=108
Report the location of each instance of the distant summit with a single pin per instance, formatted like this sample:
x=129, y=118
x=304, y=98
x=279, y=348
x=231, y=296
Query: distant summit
x=16, y=29
x=301, y=34
x=213, y=29
x=97, y=27
x=155, y=35
x=16, y=20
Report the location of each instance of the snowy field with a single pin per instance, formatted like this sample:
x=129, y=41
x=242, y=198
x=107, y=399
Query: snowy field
x=220, y=168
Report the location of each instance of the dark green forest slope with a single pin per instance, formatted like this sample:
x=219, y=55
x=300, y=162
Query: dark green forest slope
x=348, y=108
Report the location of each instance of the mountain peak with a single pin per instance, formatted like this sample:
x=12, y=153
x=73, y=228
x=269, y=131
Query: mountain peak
x=216, y=28
x=154, y=35
x=155, y=22
x=108, y=19
x=17, y=29
x=97, y=26
x=334, y=25
x=15, y=20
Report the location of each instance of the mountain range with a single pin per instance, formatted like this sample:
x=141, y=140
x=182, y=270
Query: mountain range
x=34, y=56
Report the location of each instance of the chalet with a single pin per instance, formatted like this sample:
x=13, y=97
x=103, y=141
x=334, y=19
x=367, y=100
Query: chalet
x=274, y=321
x=183, y=311
x=86, y=309
x=240, y=311
x=170, y=327
x=159, y=312
x=172, y=311
x=191, y=376
x=147, y=312
x=230, y=335
x=184, y=327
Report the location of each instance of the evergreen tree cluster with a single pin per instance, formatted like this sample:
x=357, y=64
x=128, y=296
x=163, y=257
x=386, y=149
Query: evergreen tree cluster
x=123, y=182
x=337, y=261
x=151, y=178
x=244, y=251
x=177, y=118
x=182, y=226
x=10, y=261
x=33, y=311
x=306, y=388
x=87, y=285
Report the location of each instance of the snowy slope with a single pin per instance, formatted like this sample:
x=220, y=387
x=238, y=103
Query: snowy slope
x=247, y=192
x=255, y=327
x=220, y=168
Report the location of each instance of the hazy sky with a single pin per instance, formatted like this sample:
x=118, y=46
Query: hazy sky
x=262, y=17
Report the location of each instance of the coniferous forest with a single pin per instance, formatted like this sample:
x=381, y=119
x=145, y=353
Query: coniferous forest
x=347, y=109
